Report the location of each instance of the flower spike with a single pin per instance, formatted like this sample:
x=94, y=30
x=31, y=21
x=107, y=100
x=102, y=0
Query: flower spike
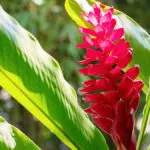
x=114, y=93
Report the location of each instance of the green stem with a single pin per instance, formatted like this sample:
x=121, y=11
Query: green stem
x=145, y=119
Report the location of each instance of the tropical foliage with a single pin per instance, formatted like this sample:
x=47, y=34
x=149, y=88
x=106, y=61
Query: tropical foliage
x=34, y=78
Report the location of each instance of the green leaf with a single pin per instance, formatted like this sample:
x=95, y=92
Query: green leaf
x=136, y=35
x=146, y=114
x=13, y=139
x=35, y=79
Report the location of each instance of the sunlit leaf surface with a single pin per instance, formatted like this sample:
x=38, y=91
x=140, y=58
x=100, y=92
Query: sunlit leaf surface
x=13, y=139
x=35, y=79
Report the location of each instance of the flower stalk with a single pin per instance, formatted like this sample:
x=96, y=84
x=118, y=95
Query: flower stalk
x=145, y=119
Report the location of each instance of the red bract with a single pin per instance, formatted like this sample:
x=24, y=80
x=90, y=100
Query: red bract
x=114, y=93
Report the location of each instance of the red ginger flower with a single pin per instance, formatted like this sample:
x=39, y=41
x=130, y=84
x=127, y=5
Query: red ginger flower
x=113, y=94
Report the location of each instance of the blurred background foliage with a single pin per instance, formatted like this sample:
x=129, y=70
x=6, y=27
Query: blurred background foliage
x=58, y=34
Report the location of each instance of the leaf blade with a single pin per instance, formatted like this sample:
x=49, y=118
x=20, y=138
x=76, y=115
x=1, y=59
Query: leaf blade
x=35, y=79
x=13, y=139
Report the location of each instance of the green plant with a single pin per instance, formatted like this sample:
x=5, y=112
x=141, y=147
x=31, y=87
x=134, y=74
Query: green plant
x=35, y=79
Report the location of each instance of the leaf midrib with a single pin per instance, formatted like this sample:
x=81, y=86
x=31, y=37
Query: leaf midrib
x=30, y=99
